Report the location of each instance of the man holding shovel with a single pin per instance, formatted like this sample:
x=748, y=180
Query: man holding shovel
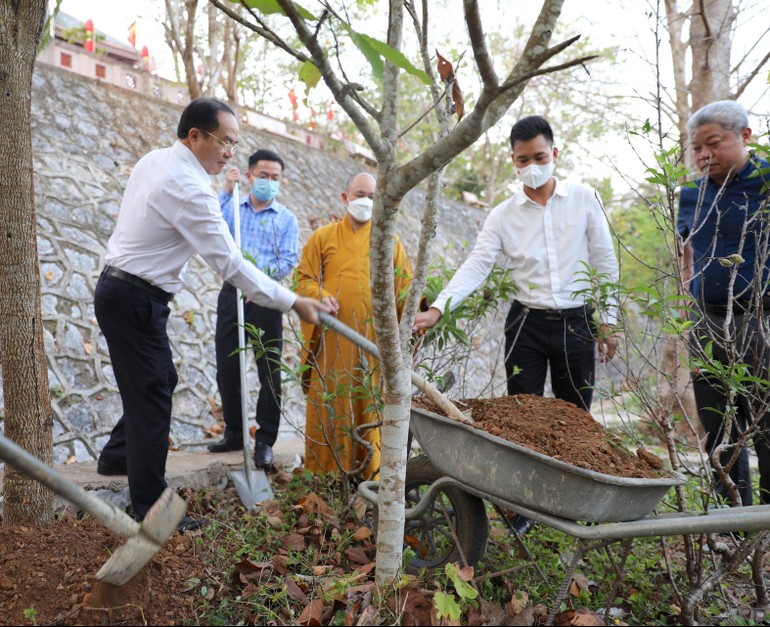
x=169, y=212
x=270, y=235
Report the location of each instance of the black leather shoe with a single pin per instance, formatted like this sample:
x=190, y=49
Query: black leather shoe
x=227, y=444
x=109, y=470
x=521, y=524
x=263, y=456
x=191, y=524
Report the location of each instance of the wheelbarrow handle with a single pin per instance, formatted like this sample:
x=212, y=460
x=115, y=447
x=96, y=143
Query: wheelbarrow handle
x=421, y=384
x=106, y=513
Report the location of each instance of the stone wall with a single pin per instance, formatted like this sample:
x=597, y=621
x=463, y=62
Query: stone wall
x=86, y=138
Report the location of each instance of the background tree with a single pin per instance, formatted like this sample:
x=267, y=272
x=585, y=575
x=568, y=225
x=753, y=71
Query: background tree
x=28, y=416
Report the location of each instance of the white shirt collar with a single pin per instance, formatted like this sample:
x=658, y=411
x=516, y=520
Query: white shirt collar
x=188, y=155
x=521, y=197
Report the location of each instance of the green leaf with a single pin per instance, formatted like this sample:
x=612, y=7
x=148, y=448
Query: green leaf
x=396, y=57
x=310, y=75
x=374, y=50
x=446, y=606
x=463, y=588
x=378, y=67
x=269, y=7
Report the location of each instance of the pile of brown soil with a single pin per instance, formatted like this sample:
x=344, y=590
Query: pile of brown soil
x=558, y=429
x=47, y=578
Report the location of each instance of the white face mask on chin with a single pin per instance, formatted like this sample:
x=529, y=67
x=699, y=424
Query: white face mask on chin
x=535, y=175
x=361, y=209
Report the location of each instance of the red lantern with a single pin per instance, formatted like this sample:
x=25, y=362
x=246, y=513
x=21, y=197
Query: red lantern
x=89, y=43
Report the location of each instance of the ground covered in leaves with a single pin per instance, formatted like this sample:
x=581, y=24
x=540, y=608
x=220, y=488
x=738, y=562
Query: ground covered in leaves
x=309, y=558
x=558, y=429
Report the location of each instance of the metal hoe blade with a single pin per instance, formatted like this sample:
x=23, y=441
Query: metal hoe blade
x=144, y=540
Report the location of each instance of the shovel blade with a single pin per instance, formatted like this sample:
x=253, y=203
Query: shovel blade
x=161, y=521
x=254, y=492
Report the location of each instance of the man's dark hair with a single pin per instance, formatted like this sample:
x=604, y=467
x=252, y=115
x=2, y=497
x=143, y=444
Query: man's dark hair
x=265, y=155
x=201, y=113
x=529, y=128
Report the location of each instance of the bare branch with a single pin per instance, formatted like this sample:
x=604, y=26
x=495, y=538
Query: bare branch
x=479, y=44
x=742, y=87
x=490, y=106
x=422, y=116
x=509, y=84
x=340, y=91
x=260, y=28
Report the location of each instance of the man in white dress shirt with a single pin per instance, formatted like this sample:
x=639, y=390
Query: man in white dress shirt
x=169, y=212
x=551, y=231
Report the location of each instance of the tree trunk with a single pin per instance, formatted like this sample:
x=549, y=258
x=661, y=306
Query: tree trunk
x=28, y=416
x=711, y=38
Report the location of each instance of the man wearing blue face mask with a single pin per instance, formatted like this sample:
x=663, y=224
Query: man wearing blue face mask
x=270, y=235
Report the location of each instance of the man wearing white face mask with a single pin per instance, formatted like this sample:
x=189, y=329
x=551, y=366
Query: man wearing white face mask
x=551, y=231
x=341, y=380
x=270, y=235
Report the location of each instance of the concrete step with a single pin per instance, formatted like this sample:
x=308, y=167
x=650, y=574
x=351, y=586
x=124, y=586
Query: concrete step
x=193, y=468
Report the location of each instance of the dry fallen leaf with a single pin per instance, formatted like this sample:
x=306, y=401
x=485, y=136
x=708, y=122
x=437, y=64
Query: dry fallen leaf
x=356, y=554
x=312, y=614
x=87, y=346
x=279, y=563
x=71, y=460
x=578, y=585
x=584, y=616
x=294, y=541
x=49, y=275
x=519, y=600
x=293, y=591
x=362, y=533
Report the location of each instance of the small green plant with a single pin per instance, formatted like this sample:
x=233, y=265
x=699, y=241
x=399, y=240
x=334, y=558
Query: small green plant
x=453, y=605
x=30, y=614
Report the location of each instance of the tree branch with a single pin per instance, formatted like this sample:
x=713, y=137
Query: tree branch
x=491, y=104
x=260, y=28
x=509, y=84
x=479, y=45
x=742, y=87
x=339, y=91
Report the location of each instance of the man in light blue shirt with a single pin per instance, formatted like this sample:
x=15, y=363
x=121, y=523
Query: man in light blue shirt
x=270, y=235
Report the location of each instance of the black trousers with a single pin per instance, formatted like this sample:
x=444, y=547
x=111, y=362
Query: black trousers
x=564, y=340
x=711, y=395
x=270, y=321
x=134, y=324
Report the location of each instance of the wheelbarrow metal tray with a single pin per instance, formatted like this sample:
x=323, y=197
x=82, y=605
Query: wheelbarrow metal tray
x=511, y=472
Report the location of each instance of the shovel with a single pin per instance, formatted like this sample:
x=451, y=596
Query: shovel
x=144, y=540
x=252, y=485
x=421, y=384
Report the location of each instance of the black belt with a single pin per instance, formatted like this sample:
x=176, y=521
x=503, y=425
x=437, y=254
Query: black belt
x=558, y=314
x=136, y=281
x=739, y=306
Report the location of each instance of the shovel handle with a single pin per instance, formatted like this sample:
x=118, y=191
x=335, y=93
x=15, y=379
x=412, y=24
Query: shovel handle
x=110, y=516
x=421, y=384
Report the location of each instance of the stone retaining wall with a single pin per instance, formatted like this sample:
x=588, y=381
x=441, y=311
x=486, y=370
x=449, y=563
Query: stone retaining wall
x=86, y=138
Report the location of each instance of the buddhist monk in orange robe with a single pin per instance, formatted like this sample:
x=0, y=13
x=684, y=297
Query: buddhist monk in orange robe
x=340, y=379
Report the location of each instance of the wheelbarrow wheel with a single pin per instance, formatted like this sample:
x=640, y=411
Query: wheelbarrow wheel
x=453, y=517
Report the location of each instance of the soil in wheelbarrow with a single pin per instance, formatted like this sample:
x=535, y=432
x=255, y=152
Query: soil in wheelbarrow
x=558, y=429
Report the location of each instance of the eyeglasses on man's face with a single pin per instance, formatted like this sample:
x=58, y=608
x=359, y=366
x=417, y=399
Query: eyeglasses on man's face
x=226, y=146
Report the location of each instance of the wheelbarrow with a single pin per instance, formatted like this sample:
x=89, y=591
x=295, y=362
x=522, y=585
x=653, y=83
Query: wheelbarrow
x=463, y=467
